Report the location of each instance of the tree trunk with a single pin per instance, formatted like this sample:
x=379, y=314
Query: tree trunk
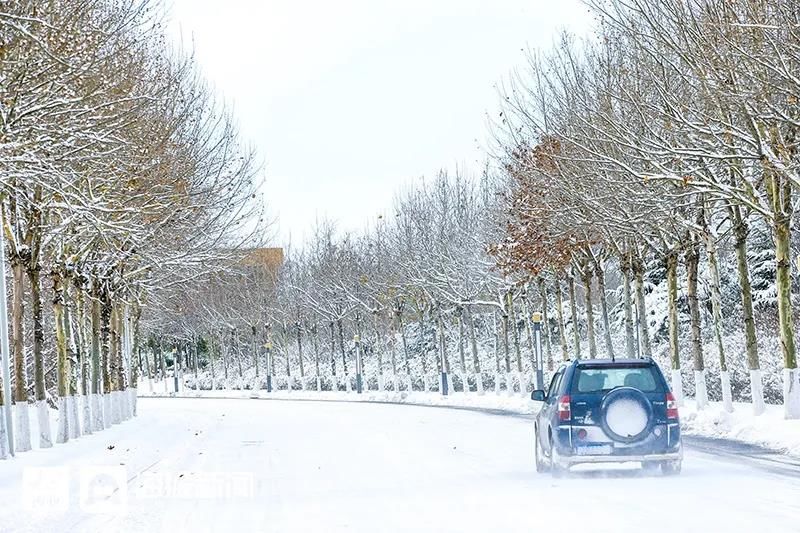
x=692, y=261
x=587, y=292
x=506, y=347
x=601, y=288
x=716, y=308
x=402, y=329
x=644, y=330
x=332, y=328
x=545, y=321
x=573, y=308
x=461, y=349
x=300, y=349
x=625, y=267
x=779, y=190
x=62, y=366
x=378, y=349
x=341, y=347
x=43, y=412
x=562, y=329
x=254, y=332
x=512, y=317
x=740, y=231
x=315, y=339
x=17, y=338
x=476, y=363
x=671, y=263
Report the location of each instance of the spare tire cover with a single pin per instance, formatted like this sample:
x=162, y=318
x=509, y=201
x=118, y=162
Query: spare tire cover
x=627, y=414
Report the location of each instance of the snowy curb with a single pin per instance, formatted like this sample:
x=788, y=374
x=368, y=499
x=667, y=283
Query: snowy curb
x=510, y=404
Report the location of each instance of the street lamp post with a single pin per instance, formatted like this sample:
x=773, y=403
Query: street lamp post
x=536, y=318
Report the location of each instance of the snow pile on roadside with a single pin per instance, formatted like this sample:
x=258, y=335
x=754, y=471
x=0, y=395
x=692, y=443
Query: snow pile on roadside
x=516, y=404
x=770, y=429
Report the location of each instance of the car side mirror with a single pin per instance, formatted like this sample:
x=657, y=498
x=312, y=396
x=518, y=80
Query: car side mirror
x=538, y=396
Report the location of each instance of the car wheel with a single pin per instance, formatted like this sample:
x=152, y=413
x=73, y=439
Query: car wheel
x=555, y=468
x=671, y=468
x=541, y=466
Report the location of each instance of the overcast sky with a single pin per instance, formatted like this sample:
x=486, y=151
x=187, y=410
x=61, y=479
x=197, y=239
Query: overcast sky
x=348, y=101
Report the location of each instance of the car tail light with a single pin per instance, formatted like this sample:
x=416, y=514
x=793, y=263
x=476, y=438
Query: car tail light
x=564, y=408
x=672, y=407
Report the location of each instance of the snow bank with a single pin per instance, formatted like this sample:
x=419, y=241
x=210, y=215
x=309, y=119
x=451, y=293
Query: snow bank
x=770, y=429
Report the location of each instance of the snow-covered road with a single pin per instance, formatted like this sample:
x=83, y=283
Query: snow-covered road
x=242, y=465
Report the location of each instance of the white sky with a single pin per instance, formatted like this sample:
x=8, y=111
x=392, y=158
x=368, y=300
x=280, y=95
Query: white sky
x=348, y=101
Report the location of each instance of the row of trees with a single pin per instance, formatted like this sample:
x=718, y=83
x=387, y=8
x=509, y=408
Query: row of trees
x=641, y=197
x=121, y=180
x=667, y=135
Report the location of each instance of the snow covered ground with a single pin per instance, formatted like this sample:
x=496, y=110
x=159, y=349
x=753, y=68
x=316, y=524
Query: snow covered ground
x=232, y=465
x=769, y=429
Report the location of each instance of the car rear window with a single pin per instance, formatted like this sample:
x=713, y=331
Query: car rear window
x=597, y=379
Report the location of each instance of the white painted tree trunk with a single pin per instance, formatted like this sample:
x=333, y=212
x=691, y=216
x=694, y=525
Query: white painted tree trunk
x=86, y=414
x=497, y=383
x=72, y=417
x=479, y=384
x=347, y=382
x=127, y=408
x=4, y=451
x=727, y=396
x=677, y=386
x=791, y=393
x=319, y=384
x=97, y=412
x=450, y=389
x=22, y=429
x=134, y=397
x=150, y=384
x=409, y=383
x=116, y=417
x=523, y=383
x=62, y=430
x=425, y=382
x=106, y=410
x=395, y=384
x=757, y=392
x=464, y=382
x=381, y=385
x=701, y=391
x=509, y=384
x=43, y=415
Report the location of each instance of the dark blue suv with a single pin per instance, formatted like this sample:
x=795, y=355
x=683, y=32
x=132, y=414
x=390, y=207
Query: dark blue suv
x=607, y=411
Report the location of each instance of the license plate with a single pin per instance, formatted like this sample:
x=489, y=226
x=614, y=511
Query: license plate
x=600, y=449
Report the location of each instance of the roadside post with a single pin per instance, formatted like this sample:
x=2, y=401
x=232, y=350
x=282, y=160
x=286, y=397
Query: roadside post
x=268, y=346
x=536, y=318
x=359, y=370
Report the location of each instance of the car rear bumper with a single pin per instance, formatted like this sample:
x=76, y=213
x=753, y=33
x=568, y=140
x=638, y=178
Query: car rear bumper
x=587, y=459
